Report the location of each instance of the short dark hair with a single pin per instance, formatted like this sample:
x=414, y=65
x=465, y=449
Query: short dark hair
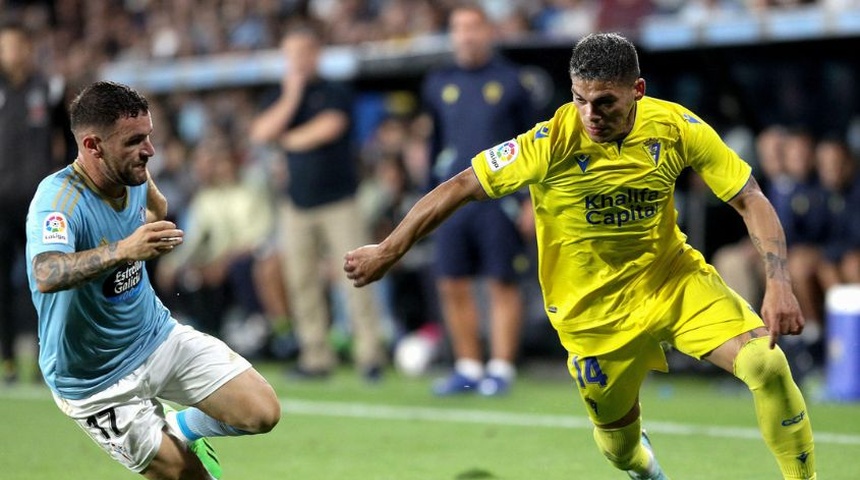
x=101, y=104
x=606, y=57
x=10, y=25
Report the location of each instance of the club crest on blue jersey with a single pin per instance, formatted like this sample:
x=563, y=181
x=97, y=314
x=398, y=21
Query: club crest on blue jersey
x=582, y=160
x=542, y=132
x=653, y=146
x=502, y=154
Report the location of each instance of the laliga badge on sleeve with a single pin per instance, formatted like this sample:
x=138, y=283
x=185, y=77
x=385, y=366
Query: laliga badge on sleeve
x=55, y=228
x=502, y=154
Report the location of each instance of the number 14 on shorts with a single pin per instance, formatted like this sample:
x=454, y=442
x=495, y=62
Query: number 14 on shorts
x=588, y=371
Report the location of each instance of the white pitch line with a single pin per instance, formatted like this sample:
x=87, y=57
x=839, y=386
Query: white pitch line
x=432, y=414
x=436, y=414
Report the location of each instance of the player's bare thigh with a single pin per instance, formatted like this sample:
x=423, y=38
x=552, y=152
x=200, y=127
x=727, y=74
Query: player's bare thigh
x=247, y=402
x=724, y=355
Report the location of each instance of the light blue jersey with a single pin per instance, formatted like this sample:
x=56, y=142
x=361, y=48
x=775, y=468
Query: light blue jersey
x=92, y=335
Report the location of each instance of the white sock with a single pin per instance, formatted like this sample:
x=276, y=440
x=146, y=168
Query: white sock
x=502, y=369
x=471, y=369
x=173, y=426
x=192, y=424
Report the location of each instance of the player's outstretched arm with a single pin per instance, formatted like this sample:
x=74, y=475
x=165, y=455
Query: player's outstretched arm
x=370, y=262
x=56, y=271
x=780, y=310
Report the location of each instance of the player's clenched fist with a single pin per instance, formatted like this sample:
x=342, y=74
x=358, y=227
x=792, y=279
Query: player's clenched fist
x=367, y=264
x=151, y=240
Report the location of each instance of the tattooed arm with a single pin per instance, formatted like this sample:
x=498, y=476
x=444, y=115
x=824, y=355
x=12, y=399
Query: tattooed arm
x=56, y=271
x=780, y=310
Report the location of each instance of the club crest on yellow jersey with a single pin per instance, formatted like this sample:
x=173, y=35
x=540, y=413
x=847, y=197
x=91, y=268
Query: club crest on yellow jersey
x=582, y=160
x=653, y=146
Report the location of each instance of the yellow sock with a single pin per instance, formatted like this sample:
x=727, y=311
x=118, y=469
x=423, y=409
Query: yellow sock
x=623, y=447
x=780, y=409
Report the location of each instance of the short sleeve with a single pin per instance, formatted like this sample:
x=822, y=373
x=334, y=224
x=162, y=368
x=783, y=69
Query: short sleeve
x=510, y=165
x=49, y=229
x=721, y=168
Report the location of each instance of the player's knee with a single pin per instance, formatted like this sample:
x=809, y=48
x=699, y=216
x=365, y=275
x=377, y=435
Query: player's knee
x=758, y=366
x=264, y=416
x=269, y=417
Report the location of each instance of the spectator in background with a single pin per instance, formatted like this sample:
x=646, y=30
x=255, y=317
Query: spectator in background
x=228, y=225
x=389, y=193
x=837, y=172
x=739, y=263
x=27, y=129
x=799, y=201
x=310, y=121
x=476, y=103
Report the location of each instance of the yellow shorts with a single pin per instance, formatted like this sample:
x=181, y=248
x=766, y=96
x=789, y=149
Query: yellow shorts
x=694, y=311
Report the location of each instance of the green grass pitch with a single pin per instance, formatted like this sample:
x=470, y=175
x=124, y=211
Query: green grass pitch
x=702, y=428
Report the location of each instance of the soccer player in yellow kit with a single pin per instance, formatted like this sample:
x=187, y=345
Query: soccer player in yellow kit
x=616, y=273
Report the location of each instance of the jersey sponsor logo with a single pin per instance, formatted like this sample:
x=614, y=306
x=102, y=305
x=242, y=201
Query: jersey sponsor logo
x=652, y=145
x=582, y=160
x=502, y=154
x=543, y=132
x=689, y=118
x=56, y=228
x=124, y=283
x=493, y=92
x=621, y=208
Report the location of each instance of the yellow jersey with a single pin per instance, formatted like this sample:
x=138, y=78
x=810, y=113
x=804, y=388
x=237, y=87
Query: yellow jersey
x=605, y=216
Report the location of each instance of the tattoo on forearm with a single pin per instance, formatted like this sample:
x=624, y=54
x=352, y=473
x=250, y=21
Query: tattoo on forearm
x=62, y=271
x=775, y=264
x=757, y=243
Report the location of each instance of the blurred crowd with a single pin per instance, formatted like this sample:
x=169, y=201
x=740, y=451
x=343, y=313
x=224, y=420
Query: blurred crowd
x=77, y=35
x=230, y=271
x=814, y=185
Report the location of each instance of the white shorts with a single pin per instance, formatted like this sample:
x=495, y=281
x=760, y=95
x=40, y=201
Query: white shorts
x=127, y=419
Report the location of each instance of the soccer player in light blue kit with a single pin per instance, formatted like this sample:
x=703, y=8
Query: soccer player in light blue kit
x=109, y=349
